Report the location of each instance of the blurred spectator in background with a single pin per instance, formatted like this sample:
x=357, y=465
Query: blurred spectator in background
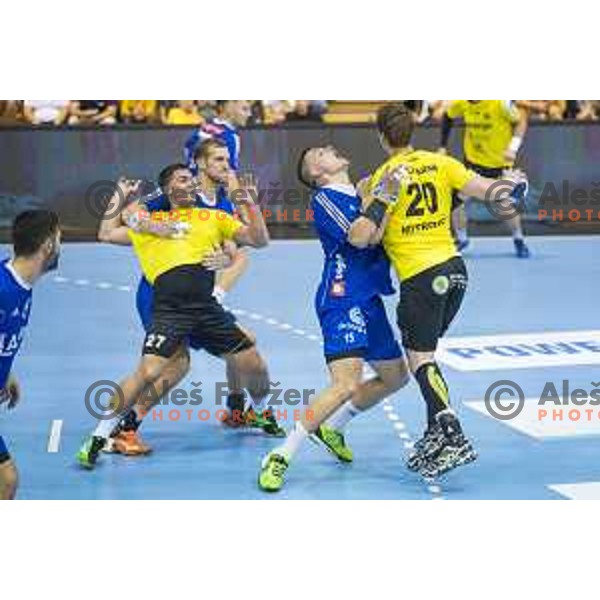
x=584, y=110
x=185, y=112
x=46, y=112
x=307, y=110
x=93, y=112
x=275, y=111
x=536, y=109
x=11, y=112
x=556, y=110
x=138, y=111
x=207, y=109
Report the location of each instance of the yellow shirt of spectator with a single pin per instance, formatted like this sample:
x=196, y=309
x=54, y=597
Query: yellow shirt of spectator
x=208, y=228
x=418, y=234
x=488, y=130
x=178, y=116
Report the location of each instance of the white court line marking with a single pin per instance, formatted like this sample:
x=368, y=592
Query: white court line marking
x=82, y=282
x=124, y=288
x=59, y=279
x=104, y=285
x=434, y=489
x=285, y=326
x=299, y=332
x=313, y=338
x=271, y=321
x=54, y=438
x=255, y=316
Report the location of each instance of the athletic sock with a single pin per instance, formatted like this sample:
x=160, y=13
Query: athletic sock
x=517, y=233
x=433, y=389
x=131, y=420
x=219, y=293
x=105, y=427
x=293, y=442
x=343, y=415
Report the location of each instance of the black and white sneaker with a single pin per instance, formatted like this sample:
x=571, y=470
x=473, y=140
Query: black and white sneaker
x=455, y=450
x=428, y=445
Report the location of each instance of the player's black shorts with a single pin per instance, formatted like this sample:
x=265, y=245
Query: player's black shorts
x=183, y=307
x=429, y=302
x=4, y=453
x=490, y=172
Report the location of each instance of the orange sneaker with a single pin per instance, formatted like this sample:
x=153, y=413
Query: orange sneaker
x=130, y=444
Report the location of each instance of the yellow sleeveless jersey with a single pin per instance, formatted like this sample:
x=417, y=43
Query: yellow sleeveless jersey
x=488, y=130
x=418, y=234
x=208, y=229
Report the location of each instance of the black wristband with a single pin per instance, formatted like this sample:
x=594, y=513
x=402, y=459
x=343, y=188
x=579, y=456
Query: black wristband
x=376, y=211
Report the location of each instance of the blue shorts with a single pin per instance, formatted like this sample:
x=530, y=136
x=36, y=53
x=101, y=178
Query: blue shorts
x=360, y=331
x=4, y=453
x=145, y=305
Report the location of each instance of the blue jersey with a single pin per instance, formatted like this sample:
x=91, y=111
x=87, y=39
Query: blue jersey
x=15, y=306
x=215, y=129
x=351, y=276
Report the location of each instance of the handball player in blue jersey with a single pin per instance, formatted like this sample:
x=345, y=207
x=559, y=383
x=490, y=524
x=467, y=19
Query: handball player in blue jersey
x=353, y=320
x=231, y=115
x=36, y=243
x=212, y=157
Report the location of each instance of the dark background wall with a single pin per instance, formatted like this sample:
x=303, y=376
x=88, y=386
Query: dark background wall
x=59, y=167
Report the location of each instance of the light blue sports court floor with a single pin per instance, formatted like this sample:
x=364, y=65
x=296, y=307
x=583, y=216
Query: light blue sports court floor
x=529, y=321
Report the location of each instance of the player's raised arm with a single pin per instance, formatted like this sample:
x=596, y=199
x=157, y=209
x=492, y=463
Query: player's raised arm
x=514, y=185
x=254, y=232
x=112, y=228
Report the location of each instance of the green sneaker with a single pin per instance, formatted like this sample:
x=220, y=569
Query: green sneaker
x=272, y=472
x=266, y=421
x=334, y=441
x=88, y=453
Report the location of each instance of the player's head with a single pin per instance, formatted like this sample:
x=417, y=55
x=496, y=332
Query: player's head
x=177, y=183
x=36, y=236
x=395, y=123
x=237, y=112
x=212, y=159
x=318, y=166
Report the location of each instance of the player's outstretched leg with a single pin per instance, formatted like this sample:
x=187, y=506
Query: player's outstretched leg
x=391, y=376
x=521, y=248
x=147, y=373
x=125, y=439
x=444, y=446
x=460, y=225
x=346, y=374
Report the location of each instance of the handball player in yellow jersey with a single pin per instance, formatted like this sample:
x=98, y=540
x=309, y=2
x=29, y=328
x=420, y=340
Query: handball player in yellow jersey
x=409, y=203
x=494, y=132
x=184, y=305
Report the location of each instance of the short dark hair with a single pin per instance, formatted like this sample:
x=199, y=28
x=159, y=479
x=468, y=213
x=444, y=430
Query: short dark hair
x=301, y=171
x=220, y=104
x=395, y=122
x=204, y=148
x=31, y=229
x=165, y=175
